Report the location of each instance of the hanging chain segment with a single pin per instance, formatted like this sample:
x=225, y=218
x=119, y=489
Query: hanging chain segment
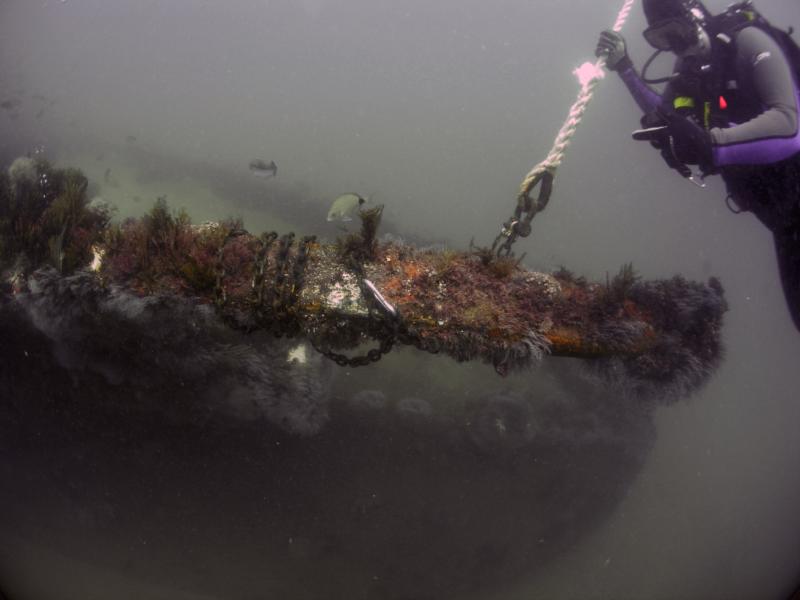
x=519, y=225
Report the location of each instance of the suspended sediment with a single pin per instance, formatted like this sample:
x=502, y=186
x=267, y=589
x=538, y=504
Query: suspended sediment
x=357, y=298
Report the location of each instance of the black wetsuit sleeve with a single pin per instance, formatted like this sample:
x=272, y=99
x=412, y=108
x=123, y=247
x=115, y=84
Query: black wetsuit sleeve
x=771, y=135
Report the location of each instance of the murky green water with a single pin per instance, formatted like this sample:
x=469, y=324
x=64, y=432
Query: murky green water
x=423, y=478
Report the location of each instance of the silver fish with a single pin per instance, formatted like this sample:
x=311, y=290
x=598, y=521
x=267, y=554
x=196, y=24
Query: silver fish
x=259, y=168
x=344, y=206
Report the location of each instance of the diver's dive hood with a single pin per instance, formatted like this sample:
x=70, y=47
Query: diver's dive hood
x=656, y=11
x=677, y=26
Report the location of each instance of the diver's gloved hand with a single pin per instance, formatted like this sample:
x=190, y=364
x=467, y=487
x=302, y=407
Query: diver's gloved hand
x=612, y=46
x=691, y=143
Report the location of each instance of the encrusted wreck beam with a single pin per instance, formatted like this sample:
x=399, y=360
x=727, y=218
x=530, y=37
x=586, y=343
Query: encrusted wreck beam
x=468, y=305
x=447, y=301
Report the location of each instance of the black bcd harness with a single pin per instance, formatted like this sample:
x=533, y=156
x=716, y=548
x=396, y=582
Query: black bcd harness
x=711, y=87
x=708, y=91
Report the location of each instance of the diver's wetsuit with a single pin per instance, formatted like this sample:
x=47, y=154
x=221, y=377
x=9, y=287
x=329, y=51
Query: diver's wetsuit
x=758, y=154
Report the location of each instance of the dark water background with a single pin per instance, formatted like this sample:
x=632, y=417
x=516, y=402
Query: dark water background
x=439, y=109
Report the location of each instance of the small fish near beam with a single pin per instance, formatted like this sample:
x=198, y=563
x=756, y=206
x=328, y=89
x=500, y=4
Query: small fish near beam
x=262, y=169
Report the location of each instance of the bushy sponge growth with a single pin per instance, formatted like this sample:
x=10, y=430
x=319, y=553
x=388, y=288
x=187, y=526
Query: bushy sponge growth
x=46, y=216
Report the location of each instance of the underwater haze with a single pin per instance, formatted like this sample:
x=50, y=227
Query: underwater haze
x=120, y=481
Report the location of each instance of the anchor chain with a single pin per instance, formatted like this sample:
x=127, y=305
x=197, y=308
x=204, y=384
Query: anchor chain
x=519, y=224
x=275, y=305
x=220, y=294
x=386, y=339
x=386, y=332
x=273, y=299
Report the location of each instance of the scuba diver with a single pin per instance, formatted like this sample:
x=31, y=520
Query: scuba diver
x=730, y=107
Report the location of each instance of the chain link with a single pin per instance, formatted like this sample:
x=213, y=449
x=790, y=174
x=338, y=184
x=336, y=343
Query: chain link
x=274, y=305
x=389, y=328
x=220, y=295
x=373, y=355
x=519, y=224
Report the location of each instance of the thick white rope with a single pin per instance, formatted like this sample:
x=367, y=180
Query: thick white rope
x=588, y=75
